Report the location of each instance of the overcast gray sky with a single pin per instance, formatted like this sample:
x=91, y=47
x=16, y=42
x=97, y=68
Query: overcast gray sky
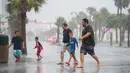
x=54, y=8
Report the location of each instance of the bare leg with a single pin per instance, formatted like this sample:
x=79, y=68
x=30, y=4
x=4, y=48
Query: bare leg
x=75, y=60
x=70, y=58
x=38, y=56
x=68, y=63
x=73, y=55
x=18, y=59
x=62, y=57
x=97, y=60
x=81, y=60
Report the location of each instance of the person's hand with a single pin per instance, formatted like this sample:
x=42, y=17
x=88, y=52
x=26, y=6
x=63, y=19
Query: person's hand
x=81, y=39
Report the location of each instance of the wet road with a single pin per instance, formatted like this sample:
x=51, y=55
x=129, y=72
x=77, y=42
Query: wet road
x=113, y=60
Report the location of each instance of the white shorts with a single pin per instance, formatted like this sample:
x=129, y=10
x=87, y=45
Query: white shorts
x=64, y=48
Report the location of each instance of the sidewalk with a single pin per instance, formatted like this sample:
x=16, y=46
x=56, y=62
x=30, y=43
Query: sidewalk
x=113, y=60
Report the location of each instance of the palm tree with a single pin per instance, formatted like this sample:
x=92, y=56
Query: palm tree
x=105, y=14
x=100, y=21
x=22, y=7
x=91, y=11
x=72, y=23
x=58, y=23
x=128, y=28
x=13, y=23
x=79, y=16
x=120, y=4
x=113, y=22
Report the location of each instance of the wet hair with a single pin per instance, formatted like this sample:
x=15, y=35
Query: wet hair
x=86, y=20
x=65, y=24
x=16, y=31
x=36, y=38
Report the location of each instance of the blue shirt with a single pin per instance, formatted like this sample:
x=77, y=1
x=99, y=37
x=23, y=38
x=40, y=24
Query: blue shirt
x=72, y=43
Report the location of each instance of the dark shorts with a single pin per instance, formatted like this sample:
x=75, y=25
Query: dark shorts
x=87, y=49
x=38, y=52
x=72, y=51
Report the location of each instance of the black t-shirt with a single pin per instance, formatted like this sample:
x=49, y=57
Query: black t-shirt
x=66, y=35
x=89, y=41
x=17, y=42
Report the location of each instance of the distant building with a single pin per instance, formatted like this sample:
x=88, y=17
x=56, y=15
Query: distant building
x=3, y=4
x=3, y=15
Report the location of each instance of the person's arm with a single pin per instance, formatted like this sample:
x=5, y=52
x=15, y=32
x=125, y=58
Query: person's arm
x=12, y=41
x=10, y=45
x=87, y=34
x=68, y=44
x=35, y=46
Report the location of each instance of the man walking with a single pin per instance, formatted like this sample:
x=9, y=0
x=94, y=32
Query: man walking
x=88, y=43
x=66, y=32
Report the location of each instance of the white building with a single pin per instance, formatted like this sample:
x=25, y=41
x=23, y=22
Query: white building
x=3, y=6
x=3, y=15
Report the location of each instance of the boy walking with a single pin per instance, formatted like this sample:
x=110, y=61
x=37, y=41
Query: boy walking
x=72, y=43
x=18, y=44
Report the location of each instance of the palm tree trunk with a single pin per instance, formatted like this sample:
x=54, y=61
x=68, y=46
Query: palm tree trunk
x=120, y=28
x=120, y=37
x=116, y=35
x=128, y=37
x=123, y=35
x=96, y=33
x=118, y=10
x=80, y=30
x=23, y=30
x=58, y=28
x=99, y=32
x=102, y=36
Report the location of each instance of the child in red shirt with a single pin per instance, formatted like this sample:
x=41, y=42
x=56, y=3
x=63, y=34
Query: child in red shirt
x=39, y=48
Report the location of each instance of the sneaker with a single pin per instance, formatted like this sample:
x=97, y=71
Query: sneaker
x=60, y=63
x=40, y=57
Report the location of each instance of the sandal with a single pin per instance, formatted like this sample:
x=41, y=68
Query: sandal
x=67, y=63
x=75, y=63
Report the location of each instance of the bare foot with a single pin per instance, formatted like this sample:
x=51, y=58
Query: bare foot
x=81, y=66
x=98, y=65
